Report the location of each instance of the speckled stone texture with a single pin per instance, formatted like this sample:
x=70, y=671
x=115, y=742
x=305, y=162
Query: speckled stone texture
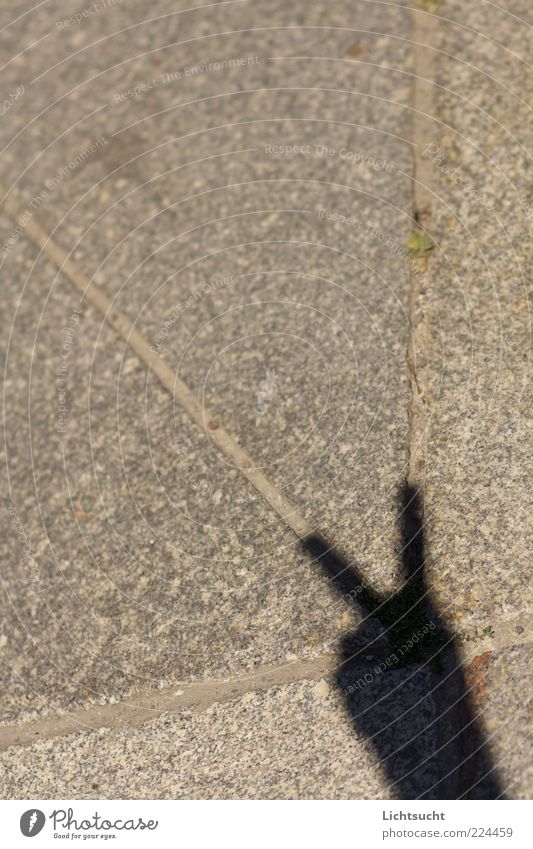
x=477, y=378
x=239, y=178
x=157, y=563
x=290, y=742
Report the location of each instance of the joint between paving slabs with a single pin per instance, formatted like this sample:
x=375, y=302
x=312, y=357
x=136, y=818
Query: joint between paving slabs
x=141, y=708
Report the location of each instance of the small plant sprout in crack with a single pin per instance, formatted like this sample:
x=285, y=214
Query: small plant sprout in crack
x=419, y=245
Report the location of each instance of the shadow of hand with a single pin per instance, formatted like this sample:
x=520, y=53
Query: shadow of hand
x=402, y=678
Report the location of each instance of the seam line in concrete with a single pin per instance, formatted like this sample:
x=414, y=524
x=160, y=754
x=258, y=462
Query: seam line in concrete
x=424, y=73
x=181, y=393
x=146, y=706
x=142, y=707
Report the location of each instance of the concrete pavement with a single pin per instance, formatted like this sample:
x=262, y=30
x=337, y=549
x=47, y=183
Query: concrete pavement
x=242, y=180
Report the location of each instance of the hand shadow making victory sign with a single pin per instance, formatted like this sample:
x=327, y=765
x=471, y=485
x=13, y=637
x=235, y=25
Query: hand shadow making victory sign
x=410, y=698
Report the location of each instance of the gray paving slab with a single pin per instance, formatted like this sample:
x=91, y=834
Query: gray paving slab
x=476, y=370
x=288, y=742
x=162, y=562
x=249, y=212
x=293, y=741
x=316, y=276
x=118, y=572
x=477, y=374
